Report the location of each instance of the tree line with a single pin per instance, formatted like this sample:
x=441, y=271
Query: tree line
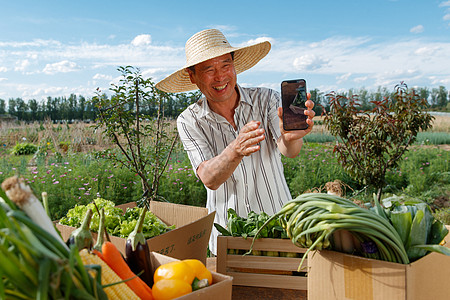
x=80, y=108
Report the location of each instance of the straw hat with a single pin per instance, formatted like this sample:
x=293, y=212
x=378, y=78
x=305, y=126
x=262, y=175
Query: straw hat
x=208, y=44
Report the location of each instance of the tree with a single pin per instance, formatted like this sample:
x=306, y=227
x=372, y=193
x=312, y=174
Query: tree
x=72, y=106
x=372, y=141
x=145, y=142
x=183, y=100
x=439, y=97
x=2, y=107
x=64, y=110
x=364, y=98
x=22, y=109
x=442, y=97
x=33, y=105
x=48, y=108
x=12, y=107
x=319, y=104
x=81, y=108
x=380, y=94
x=424, y=93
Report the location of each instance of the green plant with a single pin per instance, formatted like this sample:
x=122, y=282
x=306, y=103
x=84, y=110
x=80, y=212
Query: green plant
x=318, y=137
x=433, y=138
x=24, y=149
x=64, y=146
x=247, y=227
x=373, y=141
x=319, y=165
x=37, y=264
x=180, y=185
x=144, y=141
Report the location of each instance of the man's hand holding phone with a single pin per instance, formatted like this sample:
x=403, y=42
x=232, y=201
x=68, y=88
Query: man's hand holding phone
x=298, y=134
x=290, y=142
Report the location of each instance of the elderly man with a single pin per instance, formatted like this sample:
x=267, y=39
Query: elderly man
x=233, y=135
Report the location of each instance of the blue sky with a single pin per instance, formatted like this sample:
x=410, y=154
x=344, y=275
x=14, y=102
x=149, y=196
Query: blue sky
x=55, y=48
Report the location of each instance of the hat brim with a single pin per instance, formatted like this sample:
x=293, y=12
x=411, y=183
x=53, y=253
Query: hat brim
x=244, y=59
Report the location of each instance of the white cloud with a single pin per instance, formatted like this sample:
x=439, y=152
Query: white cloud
x=256, y=41
x=227, y=30
x=102, y=77
x=446, y=4
x=40, y=91
x=442, y=81
x=152, y=72
x=368, y=61
x=417, y=29
x=64, y=66
x=21, y=65
x=361, y=79
x=373, y=61
x=309, y=62
x=3, y=69
x=34, y=43
x=3, y=79
x=142, y=40
x=343, y=77
x=426, y=51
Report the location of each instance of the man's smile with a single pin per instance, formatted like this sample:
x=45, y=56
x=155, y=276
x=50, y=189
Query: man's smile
x=219, y=88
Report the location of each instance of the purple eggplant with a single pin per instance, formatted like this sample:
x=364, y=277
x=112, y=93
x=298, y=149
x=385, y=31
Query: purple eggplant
x=137, y=252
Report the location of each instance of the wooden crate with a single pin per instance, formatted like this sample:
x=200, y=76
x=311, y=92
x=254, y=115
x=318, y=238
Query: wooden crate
x=261, y=271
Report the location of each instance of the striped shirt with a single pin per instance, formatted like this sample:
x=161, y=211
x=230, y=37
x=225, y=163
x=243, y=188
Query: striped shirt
x=258, y=183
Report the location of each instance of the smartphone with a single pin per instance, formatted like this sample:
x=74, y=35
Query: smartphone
x=293, y=99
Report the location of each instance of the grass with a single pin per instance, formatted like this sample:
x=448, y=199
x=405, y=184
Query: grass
x=79, y=178
x=433, y=138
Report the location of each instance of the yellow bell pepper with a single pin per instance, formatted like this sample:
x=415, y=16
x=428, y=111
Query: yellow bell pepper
x=168, y=289
x=174, y=270
x=200, y=270
x=179, y=278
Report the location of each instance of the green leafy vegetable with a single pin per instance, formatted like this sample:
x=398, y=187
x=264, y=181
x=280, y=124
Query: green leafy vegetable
x=117, y=222
x=248, y=227
x=416, y=225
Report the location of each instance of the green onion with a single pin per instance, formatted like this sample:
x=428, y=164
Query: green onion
x=35, y=263
x=316, y=221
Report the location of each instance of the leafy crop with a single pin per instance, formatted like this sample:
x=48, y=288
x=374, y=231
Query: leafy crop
x=117, y=222
x=247, y=227
x=24, y=149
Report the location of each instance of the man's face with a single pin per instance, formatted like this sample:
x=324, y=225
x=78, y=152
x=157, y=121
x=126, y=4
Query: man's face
x=216, y=79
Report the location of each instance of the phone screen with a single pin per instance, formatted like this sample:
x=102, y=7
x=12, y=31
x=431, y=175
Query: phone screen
x=293, y=98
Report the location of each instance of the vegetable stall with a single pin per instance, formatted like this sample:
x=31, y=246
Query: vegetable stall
x=36, y=263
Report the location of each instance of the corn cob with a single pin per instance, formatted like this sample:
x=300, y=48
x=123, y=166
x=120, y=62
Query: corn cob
x=108, y=276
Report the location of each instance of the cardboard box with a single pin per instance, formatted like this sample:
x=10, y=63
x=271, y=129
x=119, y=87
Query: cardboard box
x=221, y=288
x=261, y=271
x=335, y=275
x=189, y=239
